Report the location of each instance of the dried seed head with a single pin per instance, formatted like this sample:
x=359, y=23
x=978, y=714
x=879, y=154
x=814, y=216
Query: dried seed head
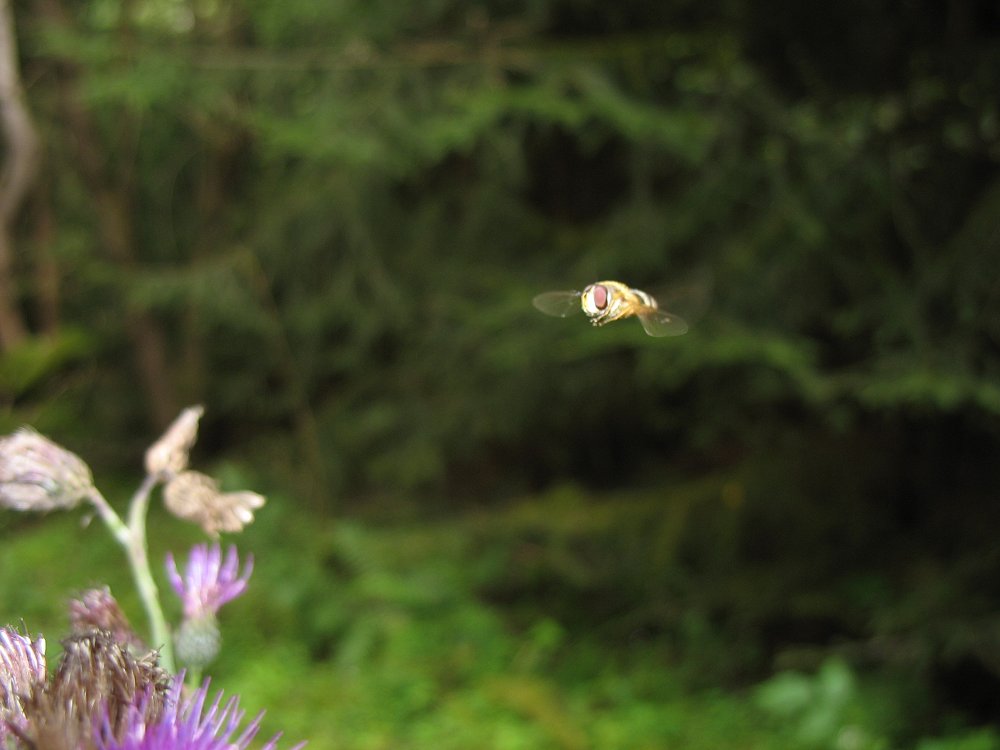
x=37, y=474
x=97, y=609
x=235, y=510
x=168, y=456
x=189, y=494
x=98, y=683
x=195, y=497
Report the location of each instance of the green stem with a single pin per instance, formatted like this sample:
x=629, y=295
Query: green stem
x=193, y=677
x=111, y=519
x=143, y=576
x=133, y=538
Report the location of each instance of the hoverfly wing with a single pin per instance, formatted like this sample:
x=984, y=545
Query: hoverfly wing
x=690, y=295
x=661, y=323
x=559, y=304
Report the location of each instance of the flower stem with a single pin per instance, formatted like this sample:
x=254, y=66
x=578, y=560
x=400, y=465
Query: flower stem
x=111, y=519
x=193, y=677
x=132, y=537
x=143, y=576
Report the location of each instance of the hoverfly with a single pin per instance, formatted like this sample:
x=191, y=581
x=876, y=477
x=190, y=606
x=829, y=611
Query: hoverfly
x=605, y=301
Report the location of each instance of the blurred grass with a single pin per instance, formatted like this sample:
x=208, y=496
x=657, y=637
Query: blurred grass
x=359, y=636
x=356, y=636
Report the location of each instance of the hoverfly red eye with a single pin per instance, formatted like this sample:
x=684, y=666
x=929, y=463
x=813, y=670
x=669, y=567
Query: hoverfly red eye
x=600, y=297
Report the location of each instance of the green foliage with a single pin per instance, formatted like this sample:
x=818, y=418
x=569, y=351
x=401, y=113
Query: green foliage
x=338, y=214
x=34, y=361
x=359, y=636
x=367, y=197
x=819, y=707
x=985, y=739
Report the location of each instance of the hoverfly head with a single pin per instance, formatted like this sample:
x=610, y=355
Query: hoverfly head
x=595, y=299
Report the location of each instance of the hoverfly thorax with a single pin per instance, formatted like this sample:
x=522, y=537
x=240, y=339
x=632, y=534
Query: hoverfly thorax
x=605, y=301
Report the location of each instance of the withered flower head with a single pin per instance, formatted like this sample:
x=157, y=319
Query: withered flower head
x=168, y=456
x=37, y=474
x=97, y=609
x=195, y=497
x=98, y=683
x=22, y=668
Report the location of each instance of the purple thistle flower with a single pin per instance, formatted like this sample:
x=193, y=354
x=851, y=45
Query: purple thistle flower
x=208, y=581
x=185, y=724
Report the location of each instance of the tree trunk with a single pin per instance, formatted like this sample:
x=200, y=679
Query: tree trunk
x=16, y=173
x=111, y=192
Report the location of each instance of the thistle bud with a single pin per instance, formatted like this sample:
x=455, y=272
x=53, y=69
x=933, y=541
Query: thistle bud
x=198, y=641
x=97, y=609
x=168, y=456
x=195, y=497
x=22, y=668
x=36, y=474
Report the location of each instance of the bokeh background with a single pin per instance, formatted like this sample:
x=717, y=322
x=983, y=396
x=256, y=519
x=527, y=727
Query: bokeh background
x=325, y=221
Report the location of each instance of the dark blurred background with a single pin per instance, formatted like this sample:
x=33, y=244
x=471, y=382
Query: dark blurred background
x=326, y=222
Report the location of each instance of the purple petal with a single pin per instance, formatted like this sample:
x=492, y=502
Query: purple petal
x=176, y=582
x=186, y=725
x=208, y=581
